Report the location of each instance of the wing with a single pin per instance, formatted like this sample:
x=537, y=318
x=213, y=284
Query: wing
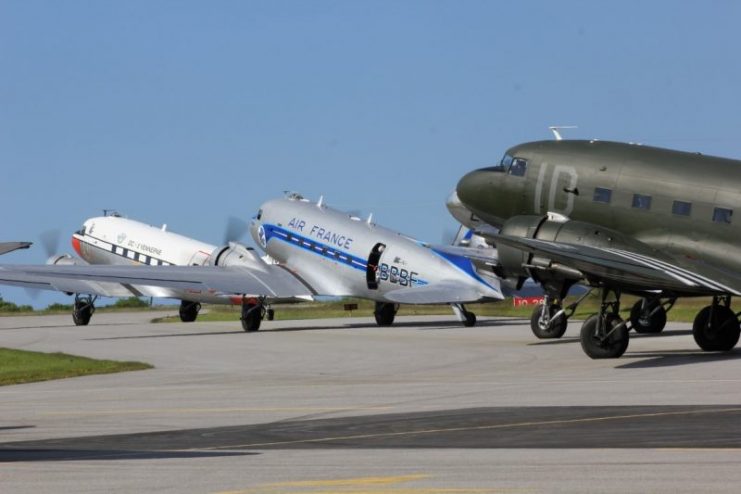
x=267, y=280
x=439, y=293
x=6, y=247
x=630, y=269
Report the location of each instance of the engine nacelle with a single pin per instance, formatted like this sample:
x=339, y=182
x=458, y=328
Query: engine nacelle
x=66, y=260
x=235, y=254
x=516, y=263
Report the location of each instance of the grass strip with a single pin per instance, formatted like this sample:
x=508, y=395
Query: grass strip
x=21, y=366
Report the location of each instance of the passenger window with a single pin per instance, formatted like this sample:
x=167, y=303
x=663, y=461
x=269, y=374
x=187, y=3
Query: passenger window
x=602, y=195
x=641, y=202
x=722, y=215
x=682, y=208
x=518, y=168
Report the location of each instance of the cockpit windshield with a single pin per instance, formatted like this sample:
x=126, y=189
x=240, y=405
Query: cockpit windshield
x=502, y=166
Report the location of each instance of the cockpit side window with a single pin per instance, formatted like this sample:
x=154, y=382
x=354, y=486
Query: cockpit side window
x=518, y=167
x=259, y=214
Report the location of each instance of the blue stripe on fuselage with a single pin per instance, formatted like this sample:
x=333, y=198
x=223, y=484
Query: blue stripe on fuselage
x=323, y=250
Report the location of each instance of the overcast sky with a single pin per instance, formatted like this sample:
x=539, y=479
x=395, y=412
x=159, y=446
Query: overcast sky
x=188, y=112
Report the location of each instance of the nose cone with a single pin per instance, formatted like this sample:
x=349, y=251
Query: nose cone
x=471, y=189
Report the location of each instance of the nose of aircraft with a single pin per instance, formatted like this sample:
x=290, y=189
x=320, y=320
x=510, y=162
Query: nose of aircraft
x=471, y=188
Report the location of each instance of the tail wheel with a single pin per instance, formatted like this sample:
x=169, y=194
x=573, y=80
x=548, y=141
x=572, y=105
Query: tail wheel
x=545, y=326
x=716, y=329
x=611, y=341
x=470, y=319
x=648, y=317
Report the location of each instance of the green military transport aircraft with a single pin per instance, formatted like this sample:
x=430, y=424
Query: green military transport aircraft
x=623, y=218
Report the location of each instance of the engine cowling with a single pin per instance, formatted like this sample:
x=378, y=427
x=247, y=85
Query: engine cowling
x=517, y=264
x=235, y=254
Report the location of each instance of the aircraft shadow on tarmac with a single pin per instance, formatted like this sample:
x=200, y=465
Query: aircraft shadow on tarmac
x=670, y=358
x=575, y=339
x=495, y=427
x=68, y=326
x=421, y=326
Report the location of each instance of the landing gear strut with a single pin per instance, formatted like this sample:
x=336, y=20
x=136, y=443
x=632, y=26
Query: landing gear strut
x=385, y=313
x=253, y=310
x=716, y=327
x=550, y=320
x=467, y=318
x=189, y=310
x=649, y=315
x=605, y=335
x=83, y=309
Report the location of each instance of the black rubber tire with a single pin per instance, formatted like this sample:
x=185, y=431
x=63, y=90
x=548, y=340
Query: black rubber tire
x=270, y=314
x=384, y=313
x=712, y=340
x=470, y=319
x=251, y=317
x=652, y=324
x=82, y=317
x=612, y=347
x=189, y=311
x=555, y=329
x=82, y=313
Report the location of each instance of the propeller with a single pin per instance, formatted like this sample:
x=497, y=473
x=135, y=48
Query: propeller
x=50, y=241
x=235, y=229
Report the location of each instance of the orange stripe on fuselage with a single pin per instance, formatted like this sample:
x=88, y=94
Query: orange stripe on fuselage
x=76, y=245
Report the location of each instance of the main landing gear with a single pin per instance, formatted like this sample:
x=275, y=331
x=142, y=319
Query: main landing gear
x=385, y=313
x=550, y=320
x=605, y=334
x=83, y=309
x=189, y=310
x=648, y=315
x=716, y=327
x=253, y=312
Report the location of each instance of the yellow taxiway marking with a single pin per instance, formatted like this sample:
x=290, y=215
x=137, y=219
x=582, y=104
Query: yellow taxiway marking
x=363, y=485
x=345, y=482
x=478, y=428
x=137, y=411
x=383, y=490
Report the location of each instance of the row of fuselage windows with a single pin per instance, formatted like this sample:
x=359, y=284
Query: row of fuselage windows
x=679, y=208
x=136, y=256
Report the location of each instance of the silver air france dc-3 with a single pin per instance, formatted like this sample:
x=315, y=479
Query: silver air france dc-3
x=313, y=250
x=338, y=254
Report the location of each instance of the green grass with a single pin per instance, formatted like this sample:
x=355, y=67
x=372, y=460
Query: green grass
x=684, y=310
x=20, y=366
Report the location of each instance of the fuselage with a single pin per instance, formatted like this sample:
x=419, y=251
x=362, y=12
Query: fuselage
x=682, y=203
x=121, y=241
x=341, y=255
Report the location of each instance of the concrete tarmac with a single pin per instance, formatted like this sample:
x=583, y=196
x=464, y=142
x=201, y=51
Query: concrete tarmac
x=343, y=406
